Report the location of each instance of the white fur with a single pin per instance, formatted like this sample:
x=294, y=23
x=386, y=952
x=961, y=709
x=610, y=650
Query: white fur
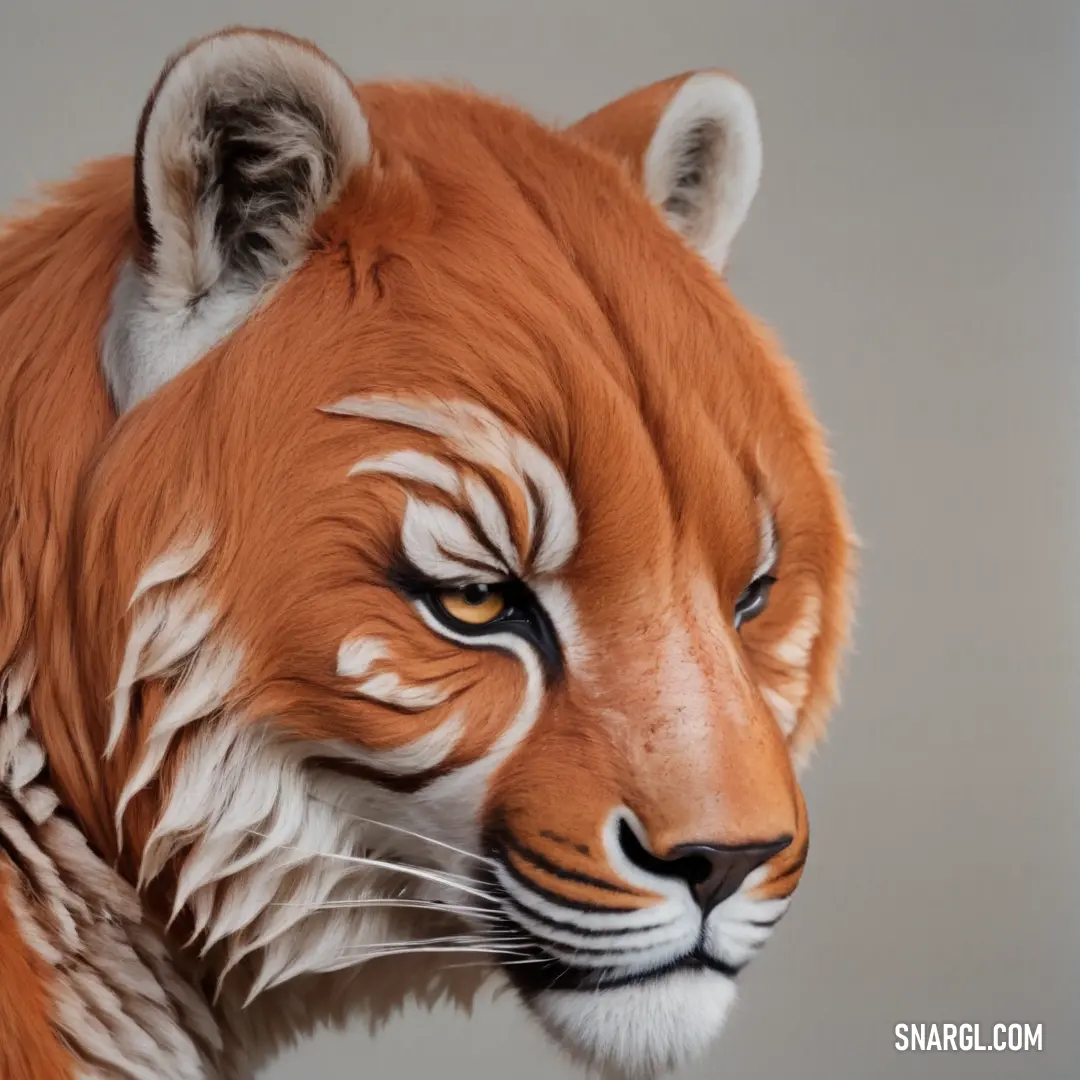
x=561, y=530
x=119, y=1007
x=200, y=694
x=435, y=538
x=424, y=753
x=279, y=847
x=146, y=341
x=388, y=689
x=180, y=561
x=640, y=1031
x=795, y=647
x=785, y=712
x=162, y=634
x=411, y=465
x=710, y=214
x=356, y=656
x=730, y=933
x=767, y=549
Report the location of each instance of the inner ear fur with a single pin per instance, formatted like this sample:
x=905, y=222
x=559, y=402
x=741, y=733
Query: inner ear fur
x=693, y=142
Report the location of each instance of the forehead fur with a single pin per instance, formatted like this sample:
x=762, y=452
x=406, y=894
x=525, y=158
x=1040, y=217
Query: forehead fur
x=492, y=258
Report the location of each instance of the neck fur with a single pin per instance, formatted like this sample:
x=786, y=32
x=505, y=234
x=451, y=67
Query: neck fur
x=264, y=960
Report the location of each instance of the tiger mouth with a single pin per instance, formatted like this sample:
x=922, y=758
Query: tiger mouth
x=541, y=964
x=543, y=972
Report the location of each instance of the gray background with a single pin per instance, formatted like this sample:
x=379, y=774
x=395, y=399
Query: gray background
x=915, y=243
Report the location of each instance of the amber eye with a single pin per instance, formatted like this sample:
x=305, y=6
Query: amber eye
x=473, y=604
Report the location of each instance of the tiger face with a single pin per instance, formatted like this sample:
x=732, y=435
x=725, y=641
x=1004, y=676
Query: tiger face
x=463, y=573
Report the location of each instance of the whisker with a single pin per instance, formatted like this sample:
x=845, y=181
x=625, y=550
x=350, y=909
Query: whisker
x=502, y=963
x=384, y=864
x=422, y=905
x=463, y=939
x=406, y=832
x=437, y=949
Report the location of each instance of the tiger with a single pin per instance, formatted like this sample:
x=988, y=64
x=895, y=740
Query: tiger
x=417, y=570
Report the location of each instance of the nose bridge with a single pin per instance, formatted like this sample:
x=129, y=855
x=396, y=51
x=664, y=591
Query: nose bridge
x=708, y=763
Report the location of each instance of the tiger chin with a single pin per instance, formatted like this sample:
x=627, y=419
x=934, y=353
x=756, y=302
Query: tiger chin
x=415, y=566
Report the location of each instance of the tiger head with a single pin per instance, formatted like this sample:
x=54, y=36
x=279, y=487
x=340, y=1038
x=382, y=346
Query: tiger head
x=416, y=548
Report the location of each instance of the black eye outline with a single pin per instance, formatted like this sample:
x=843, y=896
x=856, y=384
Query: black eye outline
x=522, y=614
x=753, y=599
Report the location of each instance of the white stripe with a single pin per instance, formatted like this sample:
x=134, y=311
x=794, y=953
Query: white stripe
x=795, y=647
x=767, y=549
x=428, y=531
x=560, y=518
x=427, y=752
x=201, y=693
x=493, y=522
x=411, y=465
x=787, y=716
x=387, y=689
x=355, y=657
x=146, y=626
x=481, y=438
x=174, y=564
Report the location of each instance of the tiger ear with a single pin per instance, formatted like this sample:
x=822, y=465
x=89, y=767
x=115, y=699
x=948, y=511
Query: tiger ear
x=246, y=138
x=694, y=143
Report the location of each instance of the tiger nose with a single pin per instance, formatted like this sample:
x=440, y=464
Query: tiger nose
x=713, y=871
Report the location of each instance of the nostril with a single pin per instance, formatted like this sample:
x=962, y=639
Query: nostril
x=636, y=851
x=713, y=871
x=694, y=869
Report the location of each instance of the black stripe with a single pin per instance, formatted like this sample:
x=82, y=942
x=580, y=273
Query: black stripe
x=498, y=494
x=541, y=521
x=557, y=924
x=500, y=566
x=466, y=513
x=404, y=785
x=559, y=898
x=794, y=868
x=764, y=924
x=597, y=950
x=533, y=979
x=541, y=862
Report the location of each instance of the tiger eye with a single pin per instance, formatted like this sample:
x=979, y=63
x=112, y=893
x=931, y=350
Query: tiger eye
x=473, y=604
